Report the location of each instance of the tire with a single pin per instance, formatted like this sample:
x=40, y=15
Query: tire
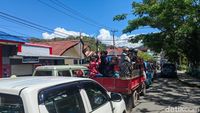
x=143, y=92
x=134, y=98
x=129, y=103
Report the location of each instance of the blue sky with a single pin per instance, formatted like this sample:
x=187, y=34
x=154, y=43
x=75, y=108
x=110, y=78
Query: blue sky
x=102, y=11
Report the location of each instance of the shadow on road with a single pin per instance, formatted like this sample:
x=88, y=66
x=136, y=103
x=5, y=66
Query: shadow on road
x=169, y=92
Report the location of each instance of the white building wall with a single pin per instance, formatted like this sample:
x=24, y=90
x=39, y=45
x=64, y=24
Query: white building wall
x=34, y=51
x=75, y=53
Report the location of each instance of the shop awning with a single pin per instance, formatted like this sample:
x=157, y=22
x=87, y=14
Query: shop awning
x=40, y=57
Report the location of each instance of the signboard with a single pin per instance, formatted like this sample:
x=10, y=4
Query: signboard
x=30, y=59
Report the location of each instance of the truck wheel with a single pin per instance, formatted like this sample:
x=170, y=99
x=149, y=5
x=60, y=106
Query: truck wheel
x=129, y=103
x=134, y=98
x=143, y=92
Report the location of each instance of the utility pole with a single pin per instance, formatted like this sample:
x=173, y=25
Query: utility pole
x=97, y=46
x=113, y=33
x=81, y=41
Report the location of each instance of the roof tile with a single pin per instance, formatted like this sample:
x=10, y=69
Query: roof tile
x=59, y=47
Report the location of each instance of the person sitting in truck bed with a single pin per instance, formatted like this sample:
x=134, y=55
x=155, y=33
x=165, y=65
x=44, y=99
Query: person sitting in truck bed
x=93, y=67
x=104, y=62
x=124, y=54
x=125, y=67
x=114, y=67
x=132, y=55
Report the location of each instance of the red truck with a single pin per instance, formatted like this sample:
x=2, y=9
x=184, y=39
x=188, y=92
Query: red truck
x=130, y=87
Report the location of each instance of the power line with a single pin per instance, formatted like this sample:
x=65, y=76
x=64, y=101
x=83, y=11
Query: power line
x=13, y=20
x=71, y=16
x=8, y=28
x=24, y=20
x=26, y=25
x=30, y=24
x=77, y=13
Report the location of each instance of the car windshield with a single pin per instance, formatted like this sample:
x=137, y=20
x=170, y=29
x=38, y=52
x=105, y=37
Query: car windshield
x=10, y=104
x=43, y=73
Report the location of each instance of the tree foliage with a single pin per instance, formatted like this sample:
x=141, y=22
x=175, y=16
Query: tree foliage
x=145, y=56
x=120, y=17
x=178, y=22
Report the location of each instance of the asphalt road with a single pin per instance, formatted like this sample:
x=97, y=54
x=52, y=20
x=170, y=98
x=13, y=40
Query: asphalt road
x=169, y=96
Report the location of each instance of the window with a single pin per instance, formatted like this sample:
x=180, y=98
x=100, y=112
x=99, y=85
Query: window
x=96, y=94
x=170, y=66
x=43, y=73
x=11, y=104
x=62, y=99
x=65, y=73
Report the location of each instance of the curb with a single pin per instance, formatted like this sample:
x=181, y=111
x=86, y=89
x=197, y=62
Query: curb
x=187, y=83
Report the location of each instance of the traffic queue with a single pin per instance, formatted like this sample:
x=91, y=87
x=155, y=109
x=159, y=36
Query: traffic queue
x=125, y=74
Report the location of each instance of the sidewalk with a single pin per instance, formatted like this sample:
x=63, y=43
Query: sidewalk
x=188, y=80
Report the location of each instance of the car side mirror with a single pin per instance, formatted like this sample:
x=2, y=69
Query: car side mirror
x=116, y=97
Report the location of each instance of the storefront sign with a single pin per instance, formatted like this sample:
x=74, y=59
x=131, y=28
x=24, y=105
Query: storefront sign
x=30, y=60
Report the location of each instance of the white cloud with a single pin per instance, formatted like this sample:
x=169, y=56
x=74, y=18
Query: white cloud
x=61, y=33
x=104, y=36
x=121, y=41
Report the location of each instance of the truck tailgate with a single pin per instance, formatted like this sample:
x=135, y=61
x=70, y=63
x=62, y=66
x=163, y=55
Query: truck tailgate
x=120, y=85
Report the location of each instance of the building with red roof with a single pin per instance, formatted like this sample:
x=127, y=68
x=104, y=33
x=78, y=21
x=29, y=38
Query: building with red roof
x=71, y=49
x=114, y=51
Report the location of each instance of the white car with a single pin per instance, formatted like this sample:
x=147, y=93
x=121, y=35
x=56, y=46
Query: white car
x=62, y=70
x=57, y=95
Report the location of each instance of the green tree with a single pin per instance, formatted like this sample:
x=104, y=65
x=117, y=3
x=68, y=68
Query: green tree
x=178, y=22
x=145, y=56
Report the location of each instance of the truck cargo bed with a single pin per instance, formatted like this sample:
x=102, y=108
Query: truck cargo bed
x=120, y=85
